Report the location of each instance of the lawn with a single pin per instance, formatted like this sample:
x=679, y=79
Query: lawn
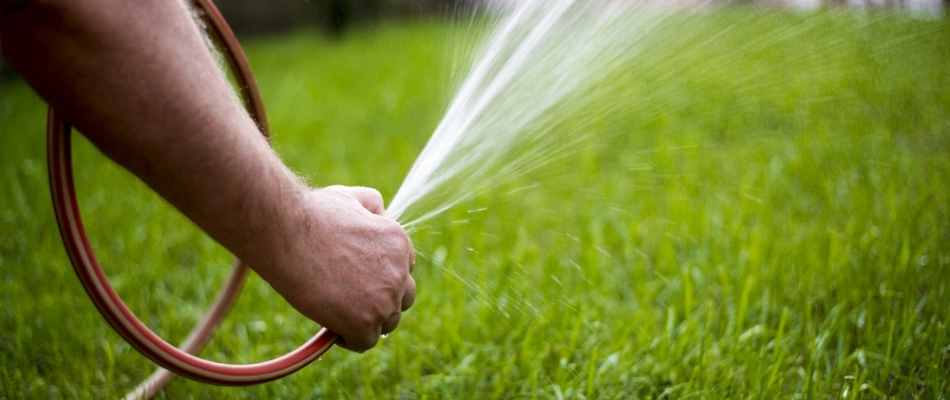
x=768, y=216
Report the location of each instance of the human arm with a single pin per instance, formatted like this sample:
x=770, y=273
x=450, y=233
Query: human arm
x=138, y=81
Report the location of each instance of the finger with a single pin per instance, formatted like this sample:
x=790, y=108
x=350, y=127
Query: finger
x=359, y=344
x=409, y=296
x=369, y=198
x=390, y=324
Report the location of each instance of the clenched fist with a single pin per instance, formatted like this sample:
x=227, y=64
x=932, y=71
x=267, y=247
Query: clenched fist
x=346, y=266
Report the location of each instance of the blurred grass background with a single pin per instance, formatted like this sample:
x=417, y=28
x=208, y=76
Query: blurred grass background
x=769, y=217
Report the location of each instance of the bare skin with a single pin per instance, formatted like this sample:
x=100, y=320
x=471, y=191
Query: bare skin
x=137, y=80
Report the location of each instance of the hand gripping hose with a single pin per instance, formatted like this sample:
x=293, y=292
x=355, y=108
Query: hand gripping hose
x=180, y=361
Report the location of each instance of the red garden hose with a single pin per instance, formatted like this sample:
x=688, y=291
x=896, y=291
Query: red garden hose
x=179, y=361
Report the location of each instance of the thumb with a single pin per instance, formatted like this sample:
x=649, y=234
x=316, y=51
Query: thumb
x=369, y=198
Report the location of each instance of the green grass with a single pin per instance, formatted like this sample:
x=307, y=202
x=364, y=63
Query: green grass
x=770, y=221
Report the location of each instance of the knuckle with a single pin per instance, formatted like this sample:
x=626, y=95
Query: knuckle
x=394, y=231
x=374, y=316
x=399, y=274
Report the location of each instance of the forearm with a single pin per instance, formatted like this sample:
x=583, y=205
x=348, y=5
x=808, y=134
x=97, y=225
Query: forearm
x=136, y=79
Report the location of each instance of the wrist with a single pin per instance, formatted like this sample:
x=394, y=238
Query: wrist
x=275, y=211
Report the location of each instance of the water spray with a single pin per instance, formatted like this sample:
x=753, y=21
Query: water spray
x=180, y=360
x=542, y=63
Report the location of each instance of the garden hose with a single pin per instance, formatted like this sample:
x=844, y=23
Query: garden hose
x=180, y=361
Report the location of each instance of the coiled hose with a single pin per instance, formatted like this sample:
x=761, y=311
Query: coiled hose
x=180, y=361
